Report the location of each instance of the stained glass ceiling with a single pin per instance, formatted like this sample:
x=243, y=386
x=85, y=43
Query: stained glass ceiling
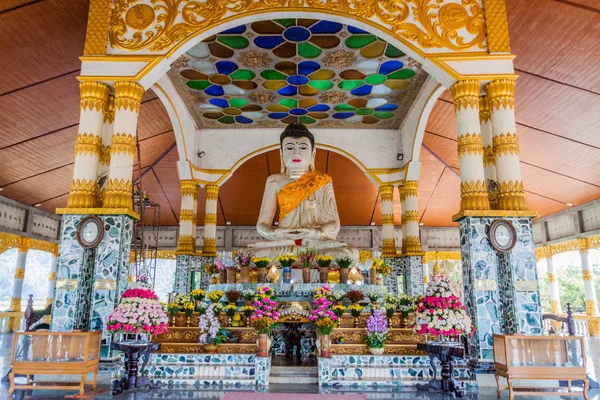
x=275, y=72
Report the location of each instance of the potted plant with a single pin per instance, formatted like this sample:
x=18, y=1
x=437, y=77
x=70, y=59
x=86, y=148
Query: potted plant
x=197, y=295
x=286, y=261
x=355, y=296
x=243, y=259
x=323, y=317
x=261, y=265
x=406, y=305
x=211, y=334
x=247, y=310
x=377, y=330
x=324, y=262
x=211, y=270
x=373, y=297
x=339, y=295
x=215, y=296
x=264, y=318
x=355, y=309
x=339, y=310
x=306, y=257
x=233, y=296
x=188, y=308
x=390, y=309
x=379, y=270
x=202, y=307
x=230, y=310
x=173, y=310
x=344, y=263
x=248, y=296
x=324, y=327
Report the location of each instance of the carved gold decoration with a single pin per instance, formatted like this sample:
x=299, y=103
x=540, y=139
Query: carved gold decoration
x=212, y=192
x=96, y=37
x=117, y=194
x=506, y=144
x=140, y=17
x=466, y=94
x=262, y=97
x=470, y=144
x=105, y=155
x=15, y=304
x=128, y=96
x=488, y=157
x=88, y=144
x=339, y=59
x=123, y=143
x=411, y=245
x=42, y=245
x=255, y=59
x=52, y=276
x=484, y=110
x=409, y=189
x=501, y=93
x=593, y=242
x=387, y=219
x=8, y=241
x=511, y=196
x=543, y=252
x=109, y=110
x=554, y=306
x=19, y=273
x=474, y=196
x=551, y=278
x=189, y=188
x=587, y=275
x=93, y=95
x=187, y=216
x=441, y=255
x=99, y=211
x=590, y=307
x=333, y=97
x=83, y=194
x=435, y=26
x=388, y=248
x=496, y=26
x=210, y=219
x=186, y=244
x=386, y=193
x=583, y=245
x=410, y=216
x=209, y=248
x=495, y=213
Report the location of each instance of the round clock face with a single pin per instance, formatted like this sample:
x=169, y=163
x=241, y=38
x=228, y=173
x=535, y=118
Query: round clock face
x=502, y=235
x=90, y=232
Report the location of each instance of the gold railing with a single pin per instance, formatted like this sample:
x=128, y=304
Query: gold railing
x=585, y=325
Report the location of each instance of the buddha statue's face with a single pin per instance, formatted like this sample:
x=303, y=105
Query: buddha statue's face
x=297, y=153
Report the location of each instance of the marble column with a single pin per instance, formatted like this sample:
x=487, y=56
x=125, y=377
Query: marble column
x=411, y=241
x=84, y=187
x=15, y=302
x=489, y=163
x=107, y=132
x=555, y=307
x=386, y=193
x=591, y=300
x=473, y=187
x=119, y=186
x=501, y=99
x=210, y=221
x=187, y=218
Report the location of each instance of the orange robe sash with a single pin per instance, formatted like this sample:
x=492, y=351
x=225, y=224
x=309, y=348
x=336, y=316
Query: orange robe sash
x=294, y=193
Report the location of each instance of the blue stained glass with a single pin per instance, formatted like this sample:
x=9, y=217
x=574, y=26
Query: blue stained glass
x=268, y=42
x=278, y=115
x=390, y=66
x=308, y=67
x=296, y=34
x=343, y=115
x=298, y=111
x=225, y=67
x=219, y=103
x=243, y=120
x=387, y=107
x=288, y=90
x=319, y=107
x=326, y=27
x=362, y=90
x=214, y=90
x=239, y=29
x=355, y=30
x=297, y=80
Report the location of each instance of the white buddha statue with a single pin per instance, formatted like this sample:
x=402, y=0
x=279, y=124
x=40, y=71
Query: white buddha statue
x=308, y=215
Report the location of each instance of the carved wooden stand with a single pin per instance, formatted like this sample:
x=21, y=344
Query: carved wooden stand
x=133, y=352
x=445, y=352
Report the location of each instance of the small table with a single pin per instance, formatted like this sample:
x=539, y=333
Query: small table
x=133, y=351
x=445, y=352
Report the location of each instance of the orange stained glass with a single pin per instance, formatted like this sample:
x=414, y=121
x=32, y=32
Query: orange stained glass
x=397, y=84
x=306, y=22
x=287, y=67
x=321, y=75
x=245, y=84
x=274, y=85
x=369, y=119
x=193, y=74
x=294, y=193
x=351, y=74
x=306, y=90
x=325, y=41
x=373, y=50
x=358, y=103
x=266, y=27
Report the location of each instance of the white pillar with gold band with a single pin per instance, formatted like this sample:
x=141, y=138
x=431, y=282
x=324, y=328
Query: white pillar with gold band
x=119, y=186
x=411, y=241
x=187, y=218
x=489, y=164
x=107, y=132
x=501, y=99
x=52, y=280
x=15, y=302
x=386, y=193
x=591, y=301
x=555, y=307
x=473, y=187
x=88, y=145
x=210, y=221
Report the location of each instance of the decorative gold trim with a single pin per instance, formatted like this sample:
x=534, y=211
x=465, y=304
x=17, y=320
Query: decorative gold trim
x=210, y=219
x=210, y=246
x=466, y=94
x=186, y=244
x=543, y=252
x=411, y=216
x=586, y=273
x=83, y=194
x=551, y=278
x=52, y=276
x=105, y=155
x=583, y=245
x=409, y=189
x=412, y=245
x=387, y=219
x=42, y=245
x=88, y=144
x=15, y=304
x=67, y=284
x=484, y=110
x=474, y=196
x=123, y=143
x=441, y=256
x=211, y=192
x=470, y=144
x=98, y=25
x=504, y=145
x=20, y=273
x=98, y=211
x=118, y=194
x=128, y=95
x=8, y=241
x=495, y=213
x=93, y=95
x=187, y=216
x=501, y=93
x=105, y=284
x=489, y=159
x=590, y=307
x=511, y=196
x=496, y=26
x=593, y=242
x=386, y=193
x=109, y=110
x=388, y=248
x=555, y=306
x=189, y=188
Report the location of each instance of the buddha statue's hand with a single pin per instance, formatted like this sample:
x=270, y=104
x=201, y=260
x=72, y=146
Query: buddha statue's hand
x=301, y=233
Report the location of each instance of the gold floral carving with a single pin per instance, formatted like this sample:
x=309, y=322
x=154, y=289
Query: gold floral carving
x=488, y=157
x=20, y=273
x=411, y=245
x=83, y=194
x=210, y=219
x=186, y=244
x=210, y=246
x=88, y=144
x=506, y=144
x=441, y=255
x=96, y=37
x=93, y=95
x=387, y=193
x=333, y=97
x=52, y=276
x=543, y=252
x=466, y=94
x=42, y=245
x=387, y=219
x=189, y=188
x=128, y=96
x=501, y=93
x=187, y=216
x=484, y=110
x=339, y=59
x=123, y=143
x=140, y=17
x=409, y=189
x=255, y=59
x=590, y=307
x=105, y=155
x=434, y=26
x=593, y=242
x=388, y=247
x=8, y=241
x=511, y=196
x=551, y=278
x=496, y=26
x=474, y=196
x=117, y=194
x=411, y=216
x=262, y=97
x=470, y=144
x=587, y=275
x=109, y=110
x=15, y=304
x=212, y=192
x=98, y=211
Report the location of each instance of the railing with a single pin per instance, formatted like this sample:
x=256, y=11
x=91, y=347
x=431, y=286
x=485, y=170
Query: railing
x=585, y=325
x=7, y=316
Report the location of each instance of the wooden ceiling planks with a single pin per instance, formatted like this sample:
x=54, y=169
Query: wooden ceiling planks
x=153, y=118
x=41, y=187
x=57, y=202
x=153, y=188
x=152, y=148
x=429, y=178
x=445, y=201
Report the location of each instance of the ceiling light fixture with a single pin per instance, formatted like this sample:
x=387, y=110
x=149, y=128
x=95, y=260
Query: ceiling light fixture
x=569, y=204
x=227, y=223
x=421, y=224
x=372, y=223
x=276, y=223
x=37, y=205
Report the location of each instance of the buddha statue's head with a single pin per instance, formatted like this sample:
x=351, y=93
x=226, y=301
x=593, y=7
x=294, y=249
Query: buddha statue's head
x=297, y=149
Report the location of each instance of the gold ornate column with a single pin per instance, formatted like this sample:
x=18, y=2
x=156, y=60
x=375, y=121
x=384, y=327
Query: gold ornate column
x=489, y=163
x=187, y=218
x=15, y=302
x=473, y=187
x=386, y=194
x=591, y=300
x=411, y=240
x=555, y=307
x=119, y=186
x=501, y=99
x=88, y=145
x=107, y=132
x=210, y=221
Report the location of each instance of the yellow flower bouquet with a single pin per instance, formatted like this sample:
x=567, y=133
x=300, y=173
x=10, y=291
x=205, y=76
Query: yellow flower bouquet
x=261, y=262
x=324, y=261
x=286, y=260
x=197, y=294
x=355, y=310
x=215, y=296
x=188, y=308
x=380, y=267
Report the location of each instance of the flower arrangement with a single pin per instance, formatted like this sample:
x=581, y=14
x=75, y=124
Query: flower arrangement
x=377, y=330
x=210, y=328
x=322, y=307
x=210, y=269
x=406, y=304
x=265, y=291
x=440, y=312
x=139, y=311
x=173, y=309
x=373, y=296
x=324, y=291
x=339, y=295
x=218, y=307
x=197, y=294
x=248, y=311
x=325, y=325
x=202, y=307
x=339, y=310
x=264, y=316
x=344, y=262
x=390, y=309
x=355, y=309
x=188, y=308
x=286, y=260
x=307, y=256
x=324, y=261
x=390, y=299
x=215, y=296
x=233, y=296
x=244, y=257
x=181, y=299
x=380, y=267
x=355, y=296
x=230, y=310
x=261, y=262
x=262, y=325
x=248, y=294
x=224, y=260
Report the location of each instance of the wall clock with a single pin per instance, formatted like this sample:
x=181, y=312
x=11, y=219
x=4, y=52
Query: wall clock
x=90, y=232
x=502, y=235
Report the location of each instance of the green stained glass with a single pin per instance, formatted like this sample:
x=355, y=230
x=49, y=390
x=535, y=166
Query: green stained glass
x=306, y=119
x=308, y=50
x=287, y=22
x=321, y=85
x=393, y=52
x=344, y=107
x=383, y=114
x=227, y=120
x=402, y=74
x=375, y=79
x=238, y=103
x=235, y=42
x=242, y=74
x=289, y=103
x=273, y=75
x=198, y=85
x=360, y=41
x=350, y=84
x=363, y=111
